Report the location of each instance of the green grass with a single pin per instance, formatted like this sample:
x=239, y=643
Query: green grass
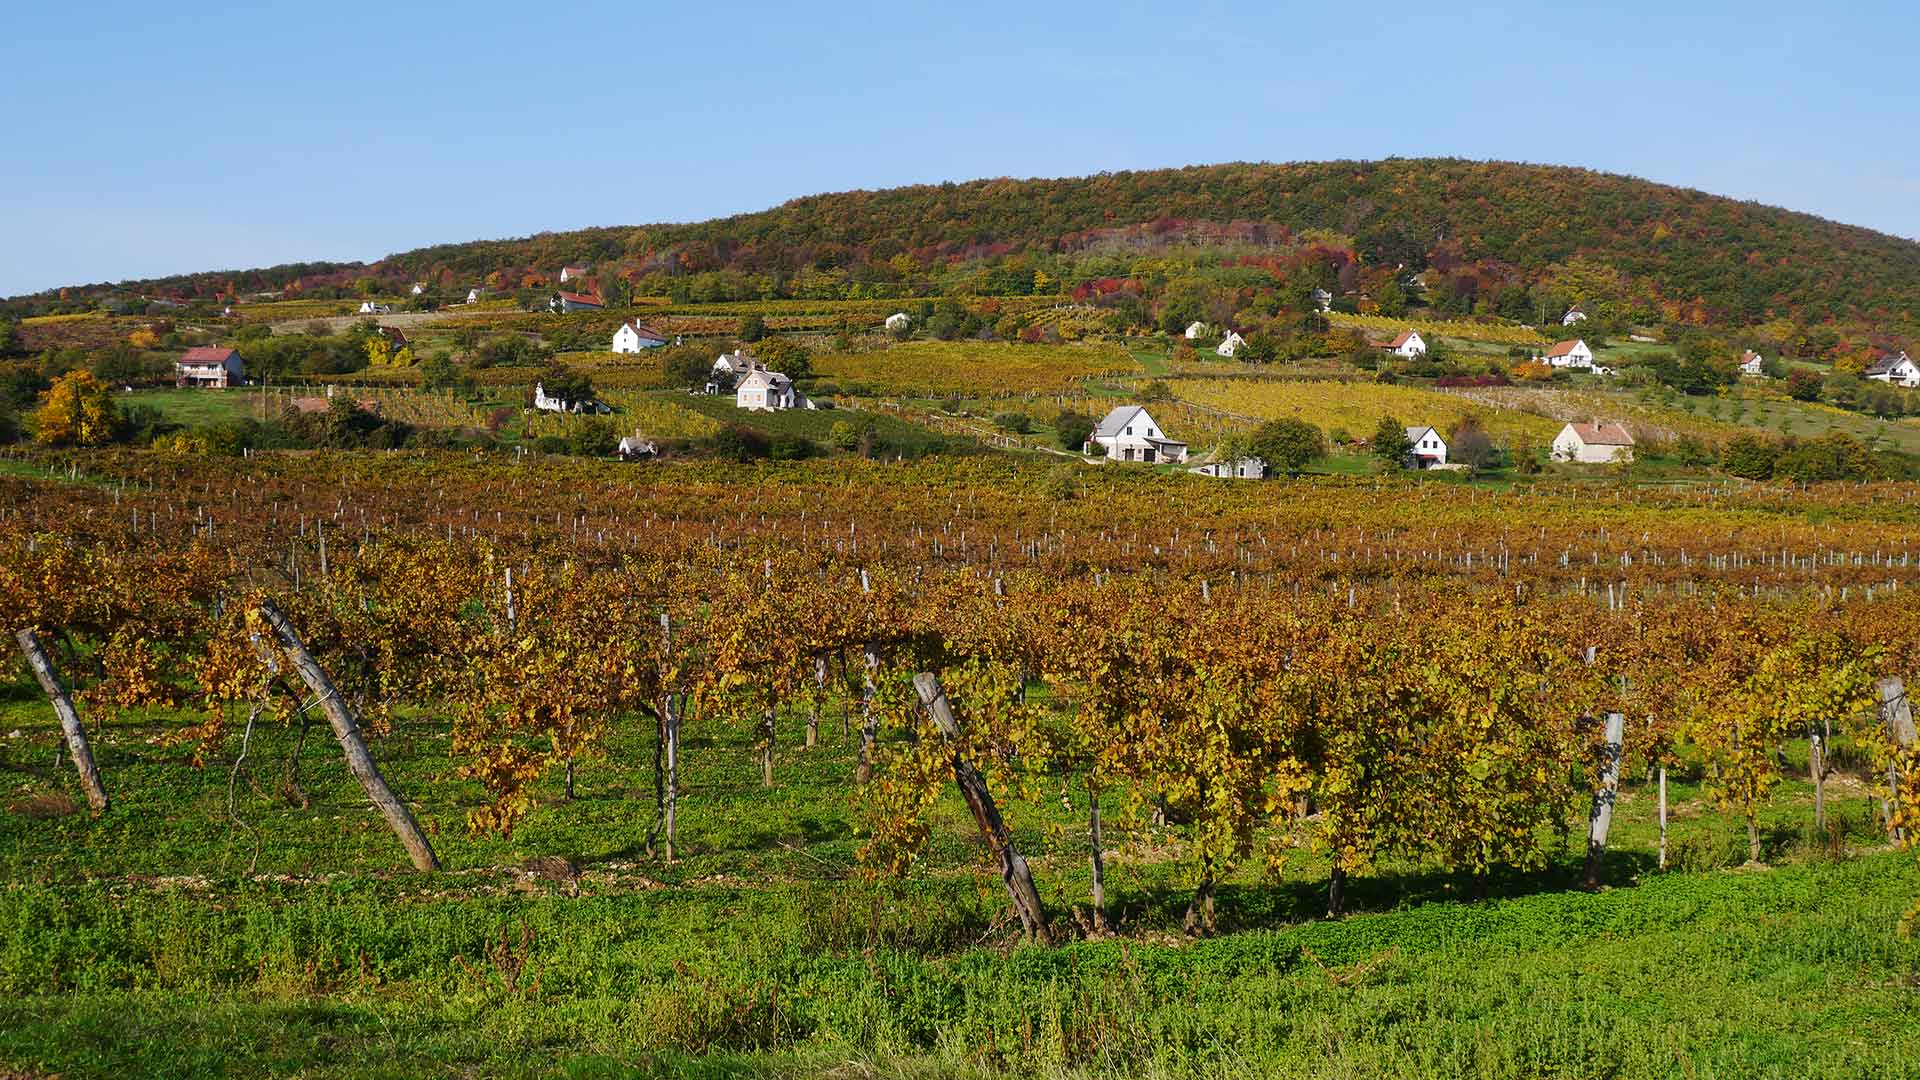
x=136, y=945
x=198, y=408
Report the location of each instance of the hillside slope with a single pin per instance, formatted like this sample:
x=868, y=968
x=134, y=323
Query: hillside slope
x=1729, y=261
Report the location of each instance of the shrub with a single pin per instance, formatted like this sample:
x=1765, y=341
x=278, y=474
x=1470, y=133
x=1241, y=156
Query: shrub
x=1018, y=423
x=1072, y=430
x=1288, y=444
x=1749, y=457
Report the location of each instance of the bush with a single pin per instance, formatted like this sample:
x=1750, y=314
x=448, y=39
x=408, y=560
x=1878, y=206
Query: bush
x=792, y=448
x=1072, y=430
x=1749, y=457
x=1288, y=444
x=739, y=444
x=1804, y=385
x=1018, y=423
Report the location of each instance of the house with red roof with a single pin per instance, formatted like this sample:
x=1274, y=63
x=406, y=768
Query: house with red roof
x=206, y=365
x=1569, y=354
x=1598, y=443
x=566, y=301
x=1409, y=345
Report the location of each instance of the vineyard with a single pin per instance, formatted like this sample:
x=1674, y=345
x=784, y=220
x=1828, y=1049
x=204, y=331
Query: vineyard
x=1356, y=407
x=945, y=762
x=975, y=368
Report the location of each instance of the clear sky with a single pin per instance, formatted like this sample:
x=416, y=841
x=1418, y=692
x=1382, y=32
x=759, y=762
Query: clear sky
x=144, y=139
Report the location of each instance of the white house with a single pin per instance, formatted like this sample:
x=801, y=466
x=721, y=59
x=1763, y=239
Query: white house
x=1569, y=354
x=764, y=391
x=206, y=365
x=1231, y=345
x=1246, y=468
x=418, y=288
x=1409, y=345
x=634, y=336
x=1593, y=444
x=1425, y=448
x=1573, y=315
x=1322, y=300
x=1129, y=434
x=473, y=296
x=368, y=307
x=636, y=446
x=566, y=301
x=898, y=321
x=571, y=273
x=561, y=405
x=1752, y=364
x=1196, y=330
x=1895, y=369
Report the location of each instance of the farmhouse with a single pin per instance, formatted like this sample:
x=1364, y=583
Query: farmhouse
x=634, y=336
x=1246, y=468
x=1322, y=300
x=368, y=307
x=1569, y=354
x=1895, y=369
x=206, y=365
x=473, y=296
x=764, y=391
x=419, y=287
x=1232, y=344
x=1573, y=315
x=1425, y=448
x=562, y=405
x=635, y=446
x=571, y=273
x=566, y=301
x=1752, y=364
x=1129, y=434
x=898, y=321
x=1593, y=444
x=1408, y=345
x=1196, y=330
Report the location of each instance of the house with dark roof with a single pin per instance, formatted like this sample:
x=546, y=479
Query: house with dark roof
x=1896, y=369
x=1129, y=433
x=635, y=335
x=1425, y=448
x=207, y=365
x=566, y=301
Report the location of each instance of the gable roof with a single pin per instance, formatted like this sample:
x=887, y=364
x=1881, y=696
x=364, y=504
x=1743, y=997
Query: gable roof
x=1885, y=364
x=760, y=376
x=1116, y=421
x=1564, y=348
x=576, y=298
x=1405, y=336
x=208, y=354
x=1414, y=433
x=1603, y=434
x=644, y=330
x=1749, y=356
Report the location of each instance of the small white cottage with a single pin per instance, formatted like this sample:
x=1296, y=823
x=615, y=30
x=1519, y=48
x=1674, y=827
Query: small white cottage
x=1128, y=433
x=368, y=307
x=635, y=335
x=636, y=446
x=546, y=403
x=1322, y=300
x=419, y=287
x=1573, y=315
x=898, y=321
x=1425, y=448
x=1246, y=468
x=1408, y=346
x=1569, y=354
x=1196, y=330
x=572, y=273
x=1751, y=364
x=1231, y=345
x=765, y=391
x=1593, y=444
x=1896, y=369
x=473, y=296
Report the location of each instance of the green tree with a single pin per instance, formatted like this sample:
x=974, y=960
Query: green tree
x=1288, y=443
x=1749, y=457
x=436, y=371
x=1073, y=429
x=1803, y=384
x=752, y=328
x=10, y=341
x=1390, y=443
x=1392, y=299
x=567, y=384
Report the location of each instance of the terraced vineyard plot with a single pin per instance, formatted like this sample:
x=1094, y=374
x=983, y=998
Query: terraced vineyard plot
x=975, y=368
x=1356, y=407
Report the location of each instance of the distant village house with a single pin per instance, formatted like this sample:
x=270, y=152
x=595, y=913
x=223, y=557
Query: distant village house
x=566, y=301
x=765, y=391
x=1569, y=354
x=1751, y=364
x=207, y=365
x=1425, y=448
x=1246, y=468
x=1231, y=345
x=1408, y=346
x=634, y=336
x=1573, y=315
x=898, y=321
x=1895, y=369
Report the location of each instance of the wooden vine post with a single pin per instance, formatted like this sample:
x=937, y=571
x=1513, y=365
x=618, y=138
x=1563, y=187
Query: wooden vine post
x=670, y=727
x=69, y=719
x=1897, y=714
x=973, y=788
x=346, y=730
x=1600, y=818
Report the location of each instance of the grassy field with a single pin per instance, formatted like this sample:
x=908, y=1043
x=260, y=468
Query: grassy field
x=137, y=944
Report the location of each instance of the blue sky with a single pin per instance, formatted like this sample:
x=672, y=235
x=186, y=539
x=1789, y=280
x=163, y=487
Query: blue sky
x=143, y=140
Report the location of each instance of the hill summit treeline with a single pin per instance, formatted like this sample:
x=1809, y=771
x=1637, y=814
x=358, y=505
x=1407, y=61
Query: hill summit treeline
x=1472, y=230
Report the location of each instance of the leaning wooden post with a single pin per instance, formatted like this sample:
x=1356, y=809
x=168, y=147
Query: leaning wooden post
x=1600, y=818
x=77, y=747
x=347, y=731
x=973, y=788
x=1897, y=714
x=670, y=726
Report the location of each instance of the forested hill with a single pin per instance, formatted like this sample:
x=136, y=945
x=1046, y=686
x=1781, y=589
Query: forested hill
x=1701, y=257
